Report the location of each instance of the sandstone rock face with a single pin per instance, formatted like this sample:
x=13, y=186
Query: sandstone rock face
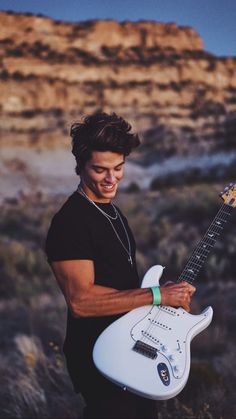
x=180, y=98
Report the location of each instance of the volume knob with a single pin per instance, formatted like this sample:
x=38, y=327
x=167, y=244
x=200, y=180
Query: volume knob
x=164, y=348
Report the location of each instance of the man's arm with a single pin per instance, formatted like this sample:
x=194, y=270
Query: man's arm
x=86, y=299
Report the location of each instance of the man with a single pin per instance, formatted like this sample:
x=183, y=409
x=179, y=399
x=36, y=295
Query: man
x=91, y=250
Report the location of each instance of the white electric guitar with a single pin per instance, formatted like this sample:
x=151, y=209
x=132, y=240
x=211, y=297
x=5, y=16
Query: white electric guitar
x=147, y=351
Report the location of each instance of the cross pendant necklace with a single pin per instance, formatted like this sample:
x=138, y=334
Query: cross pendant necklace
x=130, y=260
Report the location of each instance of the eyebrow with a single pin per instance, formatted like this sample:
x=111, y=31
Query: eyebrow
x=96, y=166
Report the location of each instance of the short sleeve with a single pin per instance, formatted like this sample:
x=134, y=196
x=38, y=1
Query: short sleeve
x=68, y=239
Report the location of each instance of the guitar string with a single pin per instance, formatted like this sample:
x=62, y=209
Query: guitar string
x=208, y=241
x=225, y=216
x=158, y=315
x=220, y=216
x=203, y=250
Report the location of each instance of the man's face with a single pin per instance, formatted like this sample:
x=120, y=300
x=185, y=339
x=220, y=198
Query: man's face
x=102, y=174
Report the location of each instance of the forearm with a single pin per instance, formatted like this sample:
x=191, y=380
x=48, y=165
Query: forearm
x=102, y=301
x=86, y=299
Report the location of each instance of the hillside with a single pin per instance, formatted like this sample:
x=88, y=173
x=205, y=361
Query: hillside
x=181, y=98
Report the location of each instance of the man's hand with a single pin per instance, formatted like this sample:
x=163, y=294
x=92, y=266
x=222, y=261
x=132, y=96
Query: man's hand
x=177, y=295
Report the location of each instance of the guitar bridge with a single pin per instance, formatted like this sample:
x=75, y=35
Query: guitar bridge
x=145, y=349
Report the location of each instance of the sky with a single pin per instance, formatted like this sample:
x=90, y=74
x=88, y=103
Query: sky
x=214, y=20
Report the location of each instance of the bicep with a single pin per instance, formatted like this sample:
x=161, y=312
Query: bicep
x=75, y=277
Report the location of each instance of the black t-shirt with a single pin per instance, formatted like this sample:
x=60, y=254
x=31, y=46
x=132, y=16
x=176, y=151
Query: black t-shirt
x=80, y=231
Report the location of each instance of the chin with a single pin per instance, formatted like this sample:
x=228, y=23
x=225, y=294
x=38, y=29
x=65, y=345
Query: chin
x=109, y=194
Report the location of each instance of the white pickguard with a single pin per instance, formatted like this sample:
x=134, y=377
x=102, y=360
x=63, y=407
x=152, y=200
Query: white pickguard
x=166, y=331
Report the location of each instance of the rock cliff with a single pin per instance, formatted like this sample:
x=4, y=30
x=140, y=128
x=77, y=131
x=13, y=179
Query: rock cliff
x=181, y=98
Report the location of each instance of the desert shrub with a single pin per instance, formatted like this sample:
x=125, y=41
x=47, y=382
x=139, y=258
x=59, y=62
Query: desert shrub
x=23, y=266
x=133, y=187
x=208, y=108
x=33, y=377
x=84, y=26
x=40, y=387
x=83, y=55
x=4, y=75
x=23, y=270
x=18, y=76
x=110, y=52
x=15, y=52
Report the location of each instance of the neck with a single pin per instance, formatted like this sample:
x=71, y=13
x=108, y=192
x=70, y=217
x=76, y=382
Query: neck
x=200, y=254
x=85, y=191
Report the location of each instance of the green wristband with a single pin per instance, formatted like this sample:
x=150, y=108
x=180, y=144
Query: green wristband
x=156, y=296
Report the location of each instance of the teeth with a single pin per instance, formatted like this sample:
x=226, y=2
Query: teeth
x=108, y=187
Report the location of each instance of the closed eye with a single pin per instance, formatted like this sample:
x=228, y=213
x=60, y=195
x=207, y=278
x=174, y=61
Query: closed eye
x=118, y=168
x=98, y=170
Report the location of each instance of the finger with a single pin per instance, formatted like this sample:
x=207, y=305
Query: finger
x=191, y=289
x=186, y=307
x=186, y=298
x=185, y=284
x=168, y=284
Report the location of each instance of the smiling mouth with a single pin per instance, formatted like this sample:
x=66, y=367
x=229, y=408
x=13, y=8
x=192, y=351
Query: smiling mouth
x=109, y=187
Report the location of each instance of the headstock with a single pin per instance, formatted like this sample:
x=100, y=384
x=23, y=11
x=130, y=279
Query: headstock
x=229, y=195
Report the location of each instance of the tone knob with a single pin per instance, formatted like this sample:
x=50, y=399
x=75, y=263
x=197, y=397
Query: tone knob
x=171, y=358
x=164, y=348
x=176, y=368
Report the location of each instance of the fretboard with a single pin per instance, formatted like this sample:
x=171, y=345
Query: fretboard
x=200, y=254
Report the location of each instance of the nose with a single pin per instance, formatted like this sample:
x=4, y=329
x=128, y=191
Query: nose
x=110, y=176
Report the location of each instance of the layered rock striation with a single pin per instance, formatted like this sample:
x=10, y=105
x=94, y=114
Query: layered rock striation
x=181, y=98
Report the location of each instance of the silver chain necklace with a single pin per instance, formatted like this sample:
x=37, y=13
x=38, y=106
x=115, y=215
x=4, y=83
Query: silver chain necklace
x=110, y=218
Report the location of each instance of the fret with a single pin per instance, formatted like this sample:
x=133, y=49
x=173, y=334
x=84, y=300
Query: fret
x=200, y=252
x=208, y=244
x=186, y=278
x=187, y=274
x=195, y=264
x=217, y=228
x=227, y=213
x=211, y=236
x=200, y=257
x=218, y=224
x=188, y=271
x=203, y=248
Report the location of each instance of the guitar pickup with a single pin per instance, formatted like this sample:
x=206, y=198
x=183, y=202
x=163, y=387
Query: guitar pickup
x=145, y=349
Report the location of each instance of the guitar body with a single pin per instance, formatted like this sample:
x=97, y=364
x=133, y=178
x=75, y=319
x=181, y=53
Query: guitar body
x=147, y=351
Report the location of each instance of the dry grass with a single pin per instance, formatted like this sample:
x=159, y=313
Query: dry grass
x=33, y=378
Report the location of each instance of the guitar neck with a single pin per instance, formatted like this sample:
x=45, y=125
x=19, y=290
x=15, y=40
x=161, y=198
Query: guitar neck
x=200, y=254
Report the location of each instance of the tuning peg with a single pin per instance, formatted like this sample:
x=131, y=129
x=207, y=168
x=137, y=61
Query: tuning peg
x=226, y=189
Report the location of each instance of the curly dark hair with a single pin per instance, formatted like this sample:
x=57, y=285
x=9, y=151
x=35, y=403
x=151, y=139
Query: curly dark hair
x=101, y=132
